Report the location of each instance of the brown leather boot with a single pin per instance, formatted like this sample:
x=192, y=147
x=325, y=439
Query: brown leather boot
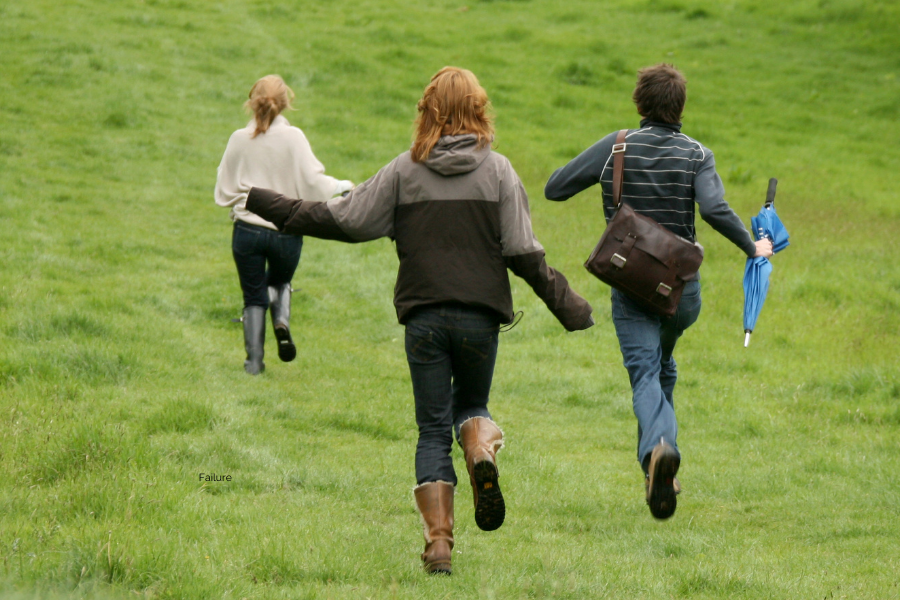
x=661, y=492
x=435, y=502
x=480, y=439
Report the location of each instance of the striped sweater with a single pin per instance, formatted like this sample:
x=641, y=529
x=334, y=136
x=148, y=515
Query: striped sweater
x=666, y=173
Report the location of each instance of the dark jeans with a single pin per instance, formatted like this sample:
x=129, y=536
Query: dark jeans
x=647, y=342
x=451, y=350
x=253, y=247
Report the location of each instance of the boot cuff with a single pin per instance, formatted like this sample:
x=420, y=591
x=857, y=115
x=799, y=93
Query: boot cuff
x=501, y=443
x=430, y=482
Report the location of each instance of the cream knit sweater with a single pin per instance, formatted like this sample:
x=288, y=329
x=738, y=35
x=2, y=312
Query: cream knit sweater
x=280, y=159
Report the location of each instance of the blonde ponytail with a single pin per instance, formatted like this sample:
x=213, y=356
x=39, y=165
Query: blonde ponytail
x=268, y=98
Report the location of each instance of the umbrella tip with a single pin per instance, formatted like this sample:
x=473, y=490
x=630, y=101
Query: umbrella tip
x=746, y=339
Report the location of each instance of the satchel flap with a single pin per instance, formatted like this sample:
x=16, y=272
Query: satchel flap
x=656, y=241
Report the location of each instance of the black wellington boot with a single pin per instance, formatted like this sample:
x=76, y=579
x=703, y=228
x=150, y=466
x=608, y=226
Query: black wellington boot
x=280, y=305
x=254, y=338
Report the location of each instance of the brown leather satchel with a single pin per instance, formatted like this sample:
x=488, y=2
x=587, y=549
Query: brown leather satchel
x=638, y=256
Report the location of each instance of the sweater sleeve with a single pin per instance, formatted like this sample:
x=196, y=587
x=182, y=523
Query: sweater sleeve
x=312, y=171
x=524, y=256
x=582, y=172
x=709, y=193
x=229, y=190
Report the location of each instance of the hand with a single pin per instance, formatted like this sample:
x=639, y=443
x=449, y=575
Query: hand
x=345, y=186
x=764, y=248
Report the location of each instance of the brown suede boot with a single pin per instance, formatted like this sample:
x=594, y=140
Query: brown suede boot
x=480, y=439
x=661, y=492
x=435, y=502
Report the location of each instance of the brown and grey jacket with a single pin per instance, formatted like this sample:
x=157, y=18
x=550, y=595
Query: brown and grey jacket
x=459, y=220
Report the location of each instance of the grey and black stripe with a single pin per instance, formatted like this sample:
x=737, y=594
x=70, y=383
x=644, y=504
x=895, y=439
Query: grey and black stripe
x=666, y=175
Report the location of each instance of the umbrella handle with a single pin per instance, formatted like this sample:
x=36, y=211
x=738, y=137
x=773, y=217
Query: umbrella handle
x=746, y=337
x=770, y=194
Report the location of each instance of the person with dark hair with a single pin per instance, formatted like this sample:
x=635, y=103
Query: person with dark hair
x=459, y=216
x=270, y=153
x=666, y=174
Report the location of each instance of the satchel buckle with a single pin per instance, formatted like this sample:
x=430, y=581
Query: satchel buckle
x=619, y=148
x=663, y=290
x=618, y=260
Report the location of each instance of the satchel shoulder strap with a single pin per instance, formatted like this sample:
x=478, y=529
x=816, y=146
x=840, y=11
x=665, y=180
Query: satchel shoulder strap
x=618, y=152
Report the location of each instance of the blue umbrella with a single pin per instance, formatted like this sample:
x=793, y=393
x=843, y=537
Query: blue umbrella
x=756, y=286
x=766, y=225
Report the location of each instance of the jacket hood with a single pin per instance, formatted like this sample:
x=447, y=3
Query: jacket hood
x=456, y=154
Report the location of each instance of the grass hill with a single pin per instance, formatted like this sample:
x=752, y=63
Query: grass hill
x=121, y=373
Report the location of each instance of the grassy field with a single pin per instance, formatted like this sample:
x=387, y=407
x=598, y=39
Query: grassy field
x=121, y=372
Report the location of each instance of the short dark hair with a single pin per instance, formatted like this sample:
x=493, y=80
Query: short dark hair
x=660, y=93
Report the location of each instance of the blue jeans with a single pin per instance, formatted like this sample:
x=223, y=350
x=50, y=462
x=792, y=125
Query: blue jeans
x=253, y=247
x=451, y=350
x=647, y=342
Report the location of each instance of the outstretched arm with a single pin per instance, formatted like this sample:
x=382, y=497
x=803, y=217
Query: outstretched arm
x=524, y=256
x=366, y=213
x=582, y=172
x=312, y=171
x=298, y=217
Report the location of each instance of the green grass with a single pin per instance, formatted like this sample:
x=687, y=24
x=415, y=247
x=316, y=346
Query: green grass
x=121, y=373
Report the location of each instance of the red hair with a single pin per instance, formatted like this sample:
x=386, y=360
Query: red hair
x=454, y=103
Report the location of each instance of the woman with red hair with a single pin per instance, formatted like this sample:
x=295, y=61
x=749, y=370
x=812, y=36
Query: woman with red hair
x=459, y=216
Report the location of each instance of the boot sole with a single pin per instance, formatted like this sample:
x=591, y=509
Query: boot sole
x=490, y=509
x=286, y=349
x=662, y=498
x=440, y=568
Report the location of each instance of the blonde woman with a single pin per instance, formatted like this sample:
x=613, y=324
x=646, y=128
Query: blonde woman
x=459, y=216
x=268, y=153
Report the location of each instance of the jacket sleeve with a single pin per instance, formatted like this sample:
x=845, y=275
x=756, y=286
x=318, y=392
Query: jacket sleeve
x=366, y=213
x=297, y=217
x=709, y=193
x=524, y=256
